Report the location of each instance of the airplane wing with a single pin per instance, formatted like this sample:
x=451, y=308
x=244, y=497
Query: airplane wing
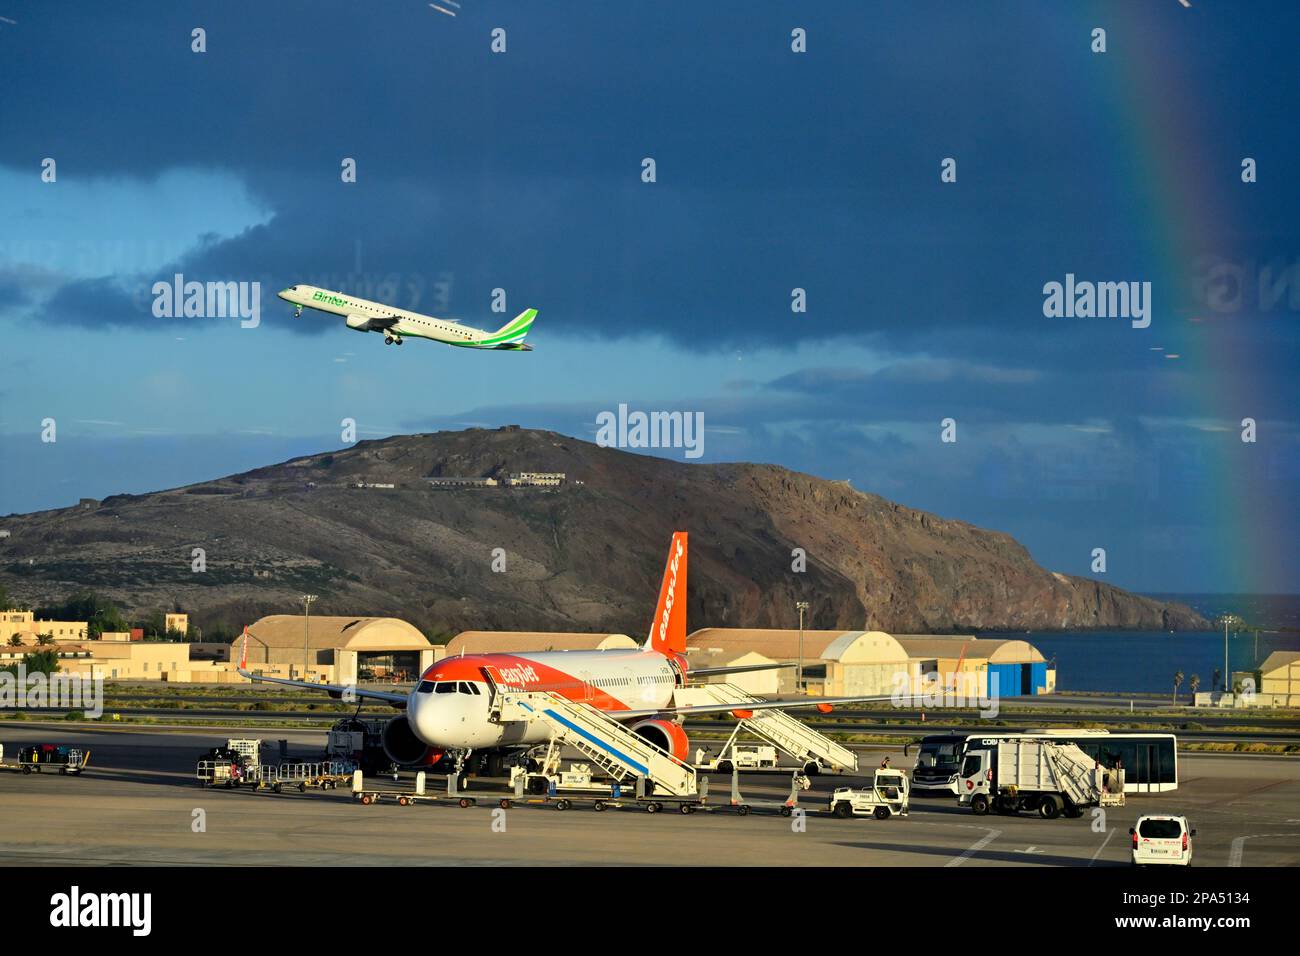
x=743, y=668
x=336, y=691
x=374, y=324
x=824, y=704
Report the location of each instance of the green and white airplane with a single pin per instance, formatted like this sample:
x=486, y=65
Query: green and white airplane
x=396, y=324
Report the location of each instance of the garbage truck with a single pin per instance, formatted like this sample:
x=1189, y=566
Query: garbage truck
x=1032, y=775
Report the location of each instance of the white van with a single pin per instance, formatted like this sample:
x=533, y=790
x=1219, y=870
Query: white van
x=1163, y=840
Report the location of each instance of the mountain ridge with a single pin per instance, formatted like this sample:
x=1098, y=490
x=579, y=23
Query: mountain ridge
x=582, y=557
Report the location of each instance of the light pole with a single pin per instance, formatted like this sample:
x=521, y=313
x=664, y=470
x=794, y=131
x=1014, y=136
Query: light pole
x=306, y=618
x=1227, y=619
x=798, y=675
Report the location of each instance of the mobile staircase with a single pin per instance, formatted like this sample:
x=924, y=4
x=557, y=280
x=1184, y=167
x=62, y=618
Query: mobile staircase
x=617, y=751
x=778, y=728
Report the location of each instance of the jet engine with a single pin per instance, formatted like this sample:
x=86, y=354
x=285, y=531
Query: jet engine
x=404, y=748
x=666, y=735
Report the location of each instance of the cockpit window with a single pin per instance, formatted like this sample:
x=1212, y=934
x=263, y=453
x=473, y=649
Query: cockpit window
x=463, y=688
x=426, y=687
x=473, y=689
x=447, y=687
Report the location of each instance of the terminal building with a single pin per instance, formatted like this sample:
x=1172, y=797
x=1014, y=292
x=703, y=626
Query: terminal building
x=115, y=658
x=870, y=663
x=24, y=626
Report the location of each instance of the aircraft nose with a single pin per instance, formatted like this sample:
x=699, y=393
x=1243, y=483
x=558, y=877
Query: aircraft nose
x=422, y=713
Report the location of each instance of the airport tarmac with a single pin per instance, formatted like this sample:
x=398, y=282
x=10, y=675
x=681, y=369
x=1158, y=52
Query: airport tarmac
x=138, y=803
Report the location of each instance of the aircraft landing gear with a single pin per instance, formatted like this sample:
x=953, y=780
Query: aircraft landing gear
x=459, y=768
x=389, y=340
x=297, y=312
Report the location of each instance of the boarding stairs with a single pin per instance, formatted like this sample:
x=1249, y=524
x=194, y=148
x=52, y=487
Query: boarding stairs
x=611, y=746
x=777, y=727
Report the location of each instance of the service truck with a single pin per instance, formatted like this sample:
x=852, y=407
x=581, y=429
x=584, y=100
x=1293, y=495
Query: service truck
x=1015, y=774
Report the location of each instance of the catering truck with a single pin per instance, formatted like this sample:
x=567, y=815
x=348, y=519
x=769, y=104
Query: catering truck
x=1034, y=775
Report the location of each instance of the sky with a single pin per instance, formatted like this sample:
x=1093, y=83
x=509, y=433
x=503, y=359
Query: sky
x=775, y=170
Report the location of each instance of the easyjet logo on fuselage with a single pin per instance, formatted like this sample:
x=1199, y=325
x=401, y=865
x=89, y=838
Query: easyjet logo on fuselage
x=519, y=675
x=672, y=590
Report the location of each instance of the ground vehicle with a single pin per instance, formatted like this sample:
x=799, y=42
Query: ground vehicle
x=66, y=759
x=1149, y=761
x=937, y=762
x=739, y=757
x=1161, y=839
x=887, y=796
x=237, y=763
x=1022, y=773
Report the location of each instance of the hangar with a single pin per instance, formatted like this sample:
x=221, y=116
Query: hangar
x=868, y=663
x=1279, y=679
x=337, y=650
x=521, y=642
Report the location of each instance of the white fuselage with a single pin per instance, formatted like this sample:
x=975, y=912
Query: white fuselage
x=364, y=315
x=446, y=715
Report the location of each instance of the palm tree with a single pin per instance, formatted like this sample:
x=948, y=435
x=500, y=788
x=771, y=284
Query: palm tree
x=45, y=640
x=1214, y=682
x=1195, y=685
x=1178, y=682
x=16, y=641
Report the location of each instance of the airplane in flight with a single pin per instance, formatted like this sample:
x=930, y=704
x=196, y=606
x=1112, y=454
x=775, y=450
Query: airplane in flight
x=447, y=712
x=398, y=324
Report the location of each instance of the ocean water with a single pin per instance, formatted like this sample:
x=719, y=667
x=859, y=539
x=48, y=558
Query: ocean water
x=1146, y=661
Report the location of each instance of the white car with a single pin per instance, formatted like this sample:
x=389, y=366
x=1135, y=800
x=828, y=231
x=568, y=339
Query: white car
x=1163, y=840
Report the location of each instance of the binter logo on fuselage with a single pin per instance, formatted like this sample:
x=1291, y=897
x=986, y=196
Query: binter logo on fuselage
x=328, y=299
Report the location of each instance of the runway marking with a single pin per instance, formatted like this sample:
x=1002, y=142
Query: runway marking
x=1032, y=849
x=974, y=848
x=1239, y=845
x=1109, y=834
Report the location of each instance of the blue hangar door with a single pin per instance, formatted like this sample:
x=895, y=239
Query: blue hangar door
x=1004, y=680
x=1037, y=677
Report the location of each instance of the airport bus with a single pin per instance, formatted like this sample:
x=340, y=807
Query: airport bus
x=1149, y=761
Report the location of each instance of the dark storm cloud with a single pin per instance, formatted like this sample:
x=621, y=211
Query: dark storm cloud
x=100, y=302
x=773, y=172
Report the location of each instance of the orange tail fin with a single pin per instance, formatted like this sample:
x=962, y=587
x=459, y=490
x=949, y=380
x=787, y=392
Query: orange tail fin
x=668, y=629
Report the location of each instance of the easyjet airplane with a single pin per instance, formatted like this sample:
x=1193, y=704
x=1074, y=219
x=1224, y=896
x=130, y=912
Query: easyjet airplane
x=447, y=711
